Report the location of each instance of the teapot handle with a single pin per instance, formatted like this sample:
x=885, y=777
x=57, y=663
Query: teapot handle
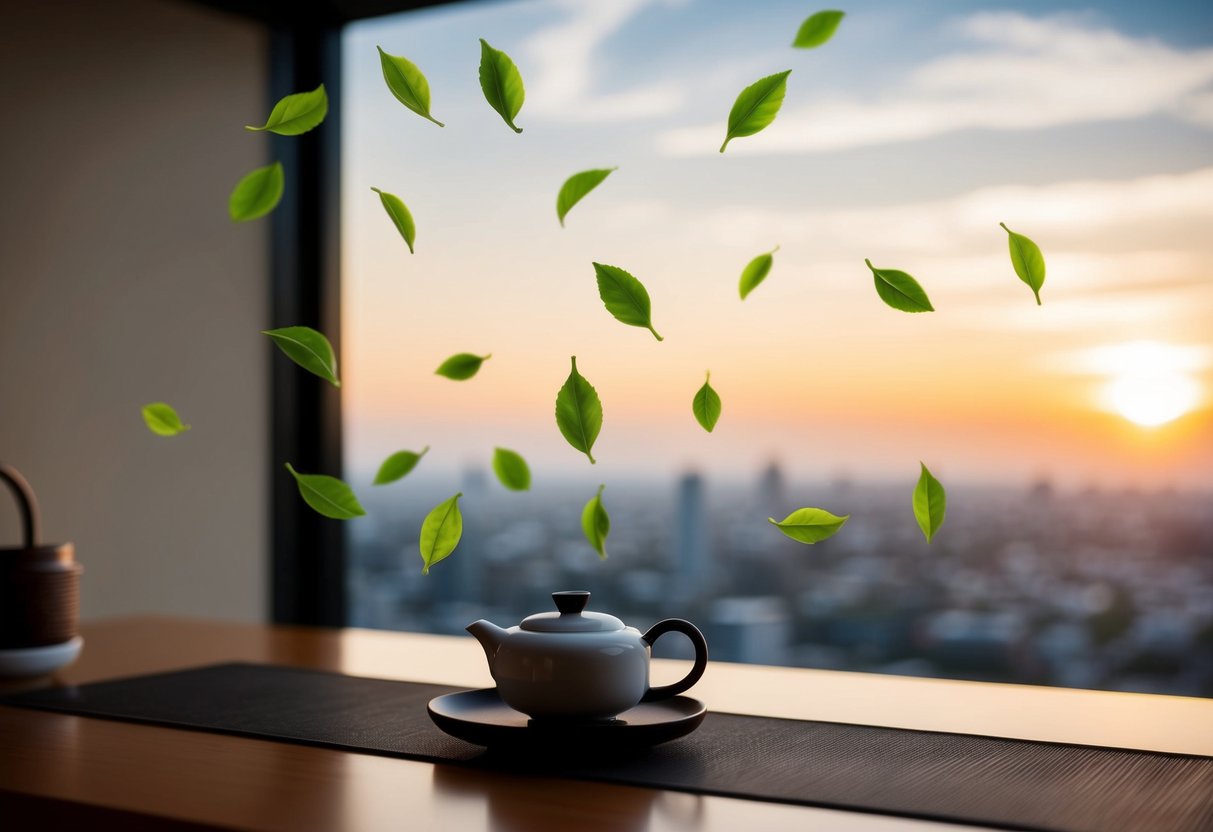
x=701, y=656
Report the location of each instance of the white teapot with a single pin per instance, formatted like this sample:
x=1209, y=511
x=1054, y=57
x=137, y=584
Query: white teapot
x=579, y=665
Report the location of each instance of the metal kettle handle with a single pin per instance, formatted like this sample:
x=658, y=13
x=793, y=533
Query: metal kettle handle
x=26, y=502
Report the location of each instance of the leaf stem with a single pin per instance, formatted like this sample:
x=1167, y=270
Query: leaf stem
x=655, y=335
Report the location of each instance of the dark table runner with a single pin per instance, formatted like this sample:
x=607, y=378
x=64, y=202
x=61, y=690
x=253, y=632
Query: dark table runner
x=1012, y=784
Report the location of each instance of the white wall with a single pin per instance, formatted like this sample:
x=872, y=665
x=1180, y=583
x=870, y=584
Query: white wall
x=122, y=282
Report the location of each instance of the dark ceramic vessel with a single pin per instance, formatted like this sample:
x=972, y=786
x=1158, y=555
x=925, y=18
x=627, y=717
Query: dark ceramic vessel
x=481, y=718
x=39, y=583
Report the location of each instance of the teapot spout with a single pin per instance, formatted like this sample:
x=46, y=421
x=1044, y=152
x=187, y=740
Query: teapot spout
x=490, y=637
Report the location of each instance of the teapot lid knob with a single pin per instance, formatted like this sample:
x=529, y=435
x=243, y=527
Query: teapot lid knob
x=572, y=602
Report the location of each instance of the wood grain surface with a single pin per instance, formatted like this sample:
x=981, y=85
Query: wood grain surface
x=63, y=771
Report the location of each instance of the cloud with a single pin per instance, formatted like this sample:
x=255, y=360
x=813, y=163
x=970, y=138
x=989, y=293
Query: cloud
x=1108, y=215
x=1142, y=357
x=1027, y=73
x=562, y=89
x=1119, y=253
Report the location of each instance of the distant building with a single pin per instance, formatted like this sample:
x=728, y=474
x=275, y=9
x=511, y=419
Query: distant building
x=754, y=630
x=1041, y=491
x=772, y=490
x=692, y=552
x=457, y=578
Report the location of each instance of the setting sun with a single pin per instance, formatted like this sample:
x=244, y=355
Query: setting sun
x=1154, y=400
x=1149, y=382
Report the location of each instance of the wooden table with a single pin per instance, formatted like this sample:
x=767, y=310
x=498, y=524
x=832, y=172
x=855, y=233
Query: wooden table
x=59, y=771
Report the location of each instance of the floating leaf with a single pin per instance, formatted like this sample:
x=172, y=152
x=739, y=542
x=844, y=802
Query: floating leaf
x=576, y=187
x=756, y=106
x=706, y=405
x=1029, y=263
x=398, y=465
x=502, y=83
x=899, y=290
x=296, y=113
x=809, y=525
x=440, y=532
x=930, y=503
x=817, y=29
x=327, y=495
x=462, y=366
x=511, y=469
x=625, y=297
x=579, y=412
x=307, y=348
x=400, y=215
x=407, y=83
x=596, y=523
x=161, y=419
x=755, y=272
x=257, y=193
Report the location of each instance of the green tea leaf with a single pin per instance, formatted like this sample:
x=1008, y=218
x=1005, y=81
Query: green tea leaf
x=930, y=503
x=257, y=193
x=511, y=469
x=579, y=412
x=327, y=495
x=810, y=525
x=440, y=532
x=161, y=419
x=706, y=405
x=1029, y=263
x=755, y=272
x=596, y=523
x=576, y=187
x=398, y=465
x=756, y=106
x=407, y=83
x=817, y=29
x=502, y=83
x=625, y=297
x=400, y=215
x=296, y=113
x=899, y=290
x=461, y=366
x=307, y=348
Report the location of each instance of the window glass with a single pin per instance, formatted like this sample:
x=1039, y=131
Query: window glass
x=1074, y=438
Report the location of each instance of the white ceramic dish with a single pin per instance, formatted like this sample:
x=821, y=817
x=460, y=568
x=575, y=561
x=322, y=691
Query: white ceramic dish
x=38, y=661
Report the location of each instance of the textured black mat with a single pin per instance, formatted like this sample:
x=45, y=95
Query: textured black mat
x=1010, y=784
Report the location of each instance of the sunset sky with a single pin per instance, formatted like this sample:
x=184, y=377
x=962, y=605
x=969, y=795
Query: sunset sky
x=905, y=140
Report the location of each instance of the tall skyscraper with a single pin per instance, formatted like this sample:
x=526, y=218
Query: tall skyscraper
x=693, y=556
x=772, y=490
x=458, y=579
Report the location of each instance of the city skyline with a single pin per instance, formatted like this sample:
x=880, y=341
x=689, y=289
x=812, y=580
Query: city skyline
x=1093, y=589
x=812, y=368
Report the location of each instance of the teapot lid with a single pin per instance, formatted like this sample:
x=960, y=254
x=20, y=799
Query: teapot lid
x=571, y=619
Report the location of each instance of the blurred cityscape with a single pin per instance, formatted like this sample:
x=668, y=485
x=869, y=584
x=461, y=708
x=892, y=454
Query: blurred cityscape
x=1093, y=588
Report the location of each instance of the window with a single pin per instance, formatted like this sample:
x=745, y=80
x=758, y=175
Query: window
x=1074, y=438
